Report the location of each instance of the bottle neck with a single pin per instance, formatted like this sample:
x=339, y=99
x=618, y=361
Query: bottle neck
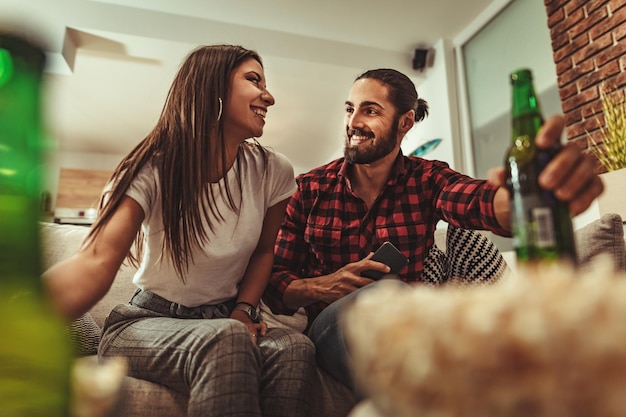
x=21, y=148
x=524, y=99
x=526, y=112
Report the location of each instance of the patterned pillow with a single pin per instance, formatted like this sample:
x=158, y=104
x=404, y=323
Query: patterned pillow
x=435, y=267
x=470, y=258
x=85, y=335
x=473, y=257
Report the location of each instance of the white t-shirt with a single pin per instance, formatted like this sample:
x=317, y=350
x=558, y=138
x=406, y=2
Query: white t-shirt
x=216, y=270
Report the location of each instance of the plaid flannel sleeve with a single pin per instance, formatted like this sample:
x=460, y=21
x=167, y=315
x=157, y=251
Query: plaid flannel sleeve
x=467, y=203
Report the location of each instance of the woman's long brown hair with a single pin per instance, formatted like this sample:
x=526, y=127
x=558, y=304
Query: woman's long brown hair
x=182, y=148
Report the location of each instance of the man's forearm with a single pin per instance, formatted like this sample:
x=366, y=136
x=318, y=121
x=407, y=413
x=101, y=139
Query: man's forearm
x=300, y=293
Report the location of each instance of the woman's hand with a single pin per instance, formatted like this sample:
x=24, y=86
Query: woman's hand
x=256, y=329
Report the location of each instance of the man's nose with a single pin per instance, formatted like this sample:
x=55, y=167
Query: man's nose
x=353, y=120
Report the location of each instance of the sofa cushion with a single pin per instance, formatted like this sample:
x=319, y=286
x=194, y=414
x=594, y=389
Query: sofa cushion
x=61, y=241
x=121, y=292
x=85, y=335
x=435, y=266
x=298, y=321
x=473, y=257
x=470, y=257
x=602, y=236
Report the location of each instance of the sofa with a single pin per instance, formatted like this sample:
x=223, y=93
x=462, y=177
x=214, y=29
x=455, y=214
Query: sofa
x=458, y=253
x=330, y=397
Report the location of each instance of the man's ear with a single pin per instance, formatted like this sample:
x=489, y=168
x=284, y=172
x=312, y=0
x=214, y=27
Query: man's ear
x=407, y=121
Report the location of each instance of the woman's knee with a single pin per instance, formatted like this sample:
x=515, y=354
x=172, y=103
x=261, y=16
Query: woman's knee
x=221, y=335
x=229, y=343
x=230, y=332
x=289, y=344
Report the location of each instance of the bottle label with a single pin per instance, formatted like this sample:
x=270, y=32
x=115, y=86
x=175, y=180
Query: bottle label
x=535, y=230
x=543, y=227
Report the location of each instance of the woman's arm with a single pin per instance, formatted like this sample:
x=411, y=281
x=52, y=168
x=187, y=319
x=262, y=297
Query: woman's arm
x=77, y=283
x=260, y=265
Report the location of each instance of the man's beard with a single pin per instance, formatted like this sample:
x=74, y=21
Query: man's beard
x=383, y=147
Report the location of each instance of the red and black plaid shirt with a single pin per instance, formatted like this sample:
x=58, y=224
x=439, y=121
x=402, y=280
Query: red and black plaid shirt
x=327, y=226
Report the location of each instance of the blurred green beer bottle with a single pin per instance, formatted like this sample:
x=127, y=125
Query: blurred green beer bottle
x=541, y=224
x=34, y=350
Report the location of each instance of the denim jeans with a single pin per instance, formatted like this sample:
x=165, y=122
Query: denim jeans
x=332, y=354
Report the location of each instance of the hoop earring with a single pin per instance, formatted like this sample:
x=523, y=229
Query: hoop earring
x=219, y=113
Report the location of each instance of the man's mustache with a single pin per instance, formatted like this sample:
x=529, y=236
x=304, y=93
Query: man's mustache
x=359, y=132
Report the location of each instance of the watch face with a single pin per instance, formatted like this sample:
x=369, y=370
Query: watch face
x=250, y=311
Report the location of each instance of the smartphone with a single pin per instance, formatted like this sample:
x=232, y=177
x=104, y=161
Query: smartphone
x=389, y=255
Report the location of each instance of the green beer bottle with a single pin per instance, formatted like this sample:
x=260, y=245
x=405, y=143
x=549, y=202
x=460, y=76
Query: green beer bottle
x=541, y=224
x=35, y=353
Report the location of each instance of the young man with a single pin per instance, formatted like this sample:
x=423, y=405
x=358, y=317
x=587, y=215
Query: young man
x=346, y=209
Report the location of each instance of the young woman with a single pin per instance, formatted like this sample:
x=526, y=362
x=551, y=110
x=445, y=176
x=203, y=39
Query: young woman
x=203, y=204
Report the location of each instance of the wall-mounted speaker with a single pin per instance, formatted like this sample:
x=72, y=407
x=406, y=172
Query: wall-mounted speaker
x=423, y=58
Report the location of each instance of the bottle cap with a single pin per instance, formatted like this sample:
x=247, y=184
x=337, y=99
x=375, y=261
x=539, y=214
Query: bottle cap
x=29, y=52
x=523, y=74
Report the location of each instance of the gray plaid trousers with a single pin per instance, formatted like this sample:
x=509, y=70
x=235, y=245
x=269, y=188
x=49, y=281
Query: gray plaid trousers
x=215, y=362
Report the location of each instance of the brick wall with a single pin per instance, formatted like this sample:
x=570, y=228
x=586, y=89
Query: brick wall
x=589, y=44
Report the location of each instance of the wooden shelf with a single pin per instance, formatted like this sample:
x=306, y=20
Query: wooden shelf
x=81, y=188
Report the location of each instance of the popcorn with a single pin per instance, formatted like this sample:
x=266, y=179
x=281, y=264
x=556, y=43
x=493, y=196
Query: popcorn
x=97, y=386
x=548, y=341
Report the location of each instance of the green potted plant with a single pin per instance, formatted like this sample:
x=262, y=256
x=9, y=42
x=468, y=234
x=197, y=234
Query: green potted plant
x=611, y=151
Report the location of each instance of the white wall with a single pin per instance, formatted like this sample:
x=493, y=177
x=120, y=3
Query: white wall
x=436, y=85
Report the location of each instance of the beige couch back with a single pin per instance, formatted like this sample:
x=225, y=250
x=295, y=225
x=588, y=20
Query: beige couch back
x=60, y=242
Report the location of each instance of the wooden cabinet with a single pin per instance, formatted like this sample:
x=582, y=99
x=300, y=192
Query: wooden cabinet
x=78, y=195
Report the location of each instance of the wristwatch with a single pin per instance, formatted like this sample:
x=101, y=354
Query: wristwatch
x=250, y=310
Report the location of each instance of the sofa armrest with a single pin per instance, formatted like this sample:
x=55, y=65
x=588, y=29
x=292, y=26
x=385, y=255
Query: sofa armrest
x=602, y=236
x=61, y=241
